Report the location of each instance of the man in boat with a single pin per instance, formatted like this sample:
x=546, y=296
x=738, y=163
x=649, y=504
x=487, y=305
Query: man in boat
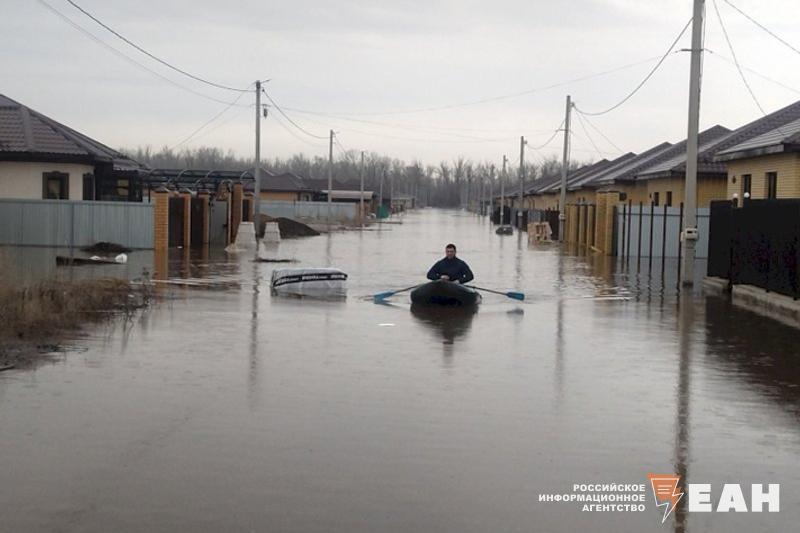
x=451, y=268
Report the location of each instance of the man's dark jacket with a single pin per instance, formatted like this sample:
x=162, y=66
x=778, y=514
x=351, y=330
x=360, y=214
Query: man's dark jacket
x=455, y=269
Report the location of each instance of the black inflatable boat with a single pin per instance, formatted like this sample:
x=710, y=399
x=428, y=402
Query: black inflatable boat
x=445, y=293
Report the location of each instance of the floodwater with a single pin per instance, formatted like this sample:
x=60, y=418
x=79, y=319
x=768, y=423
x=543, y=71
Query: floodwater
x=236, y=410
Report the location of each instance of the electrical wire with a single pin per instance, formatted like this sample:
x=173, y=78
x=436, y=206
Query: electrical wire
x=770, y=32
x=152, y=56
x=125, y=57
x=646, y=78
x=548, y=141
x=292, y=132
x=483, y=100
x=603, y=135
x=753, y=71
x=736, y=60
x=588, y=136
x=209, y=121
x=292, y=122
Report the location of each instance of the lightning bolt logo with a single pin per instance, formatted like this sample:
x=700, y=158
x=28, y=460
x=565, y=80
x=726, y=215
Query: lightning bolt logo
x=665, y=492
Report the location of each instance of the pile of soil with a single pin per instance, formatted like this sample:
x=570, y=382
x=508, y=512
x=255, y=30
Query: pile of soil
x=289, y=228
x=103, y=247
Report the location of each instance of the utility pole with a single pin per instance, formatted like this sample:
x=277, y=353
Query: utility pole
x=503, y=192
x=330, y=178
x=522, y=143
x=361, y=201
x=391, y=195
x=562, y=202
x=689, y=234
x=491, y=190
x=480, y=197
x=257, y=170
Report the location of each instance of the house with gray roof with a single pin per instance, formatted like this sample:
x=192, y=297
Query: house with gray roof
x=41, y=158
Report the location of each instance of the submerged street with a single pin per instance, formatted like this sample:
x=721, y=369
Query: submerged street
x=224, y=407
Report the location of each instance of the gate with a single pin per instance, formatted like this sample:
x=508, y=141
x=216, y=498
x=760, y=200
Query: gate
x=176, y=215
x=218, y=223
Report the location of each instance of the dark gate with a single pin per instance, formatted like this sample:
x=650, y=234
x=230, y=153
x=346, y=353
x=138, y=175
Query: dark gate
x=719, y=239
x=197, y=221
x=176, y=214
x=551, y=217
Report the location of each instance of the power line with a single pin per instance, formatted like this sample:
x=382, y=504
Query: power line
x=736, y=60
x=603, y=135
x=548, y=141
x=292, y=122
x=148, y=54
x=483, y=100
x=209, y=121
x=752, y=71
x=641, y=83
x=121, y=55
x=291, y=132
x=588, y=136
x=773, y=34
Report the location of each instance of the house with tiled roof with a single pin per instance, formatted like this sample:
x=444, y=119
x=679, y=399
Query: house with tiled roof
x=765, y=166
x=41, y=158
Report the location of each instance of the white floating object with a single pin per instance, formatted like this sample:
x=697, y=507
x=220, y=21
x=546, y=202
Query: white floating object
x=330, y=282
x=121, y=258
x=245, y=238
x=272, y=233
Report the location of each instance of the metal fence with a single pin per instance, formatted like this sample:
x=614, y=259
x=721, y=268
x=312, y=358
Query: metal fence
x=75, y=223
x=757, y=244
x=320, y=211
x=654, y=231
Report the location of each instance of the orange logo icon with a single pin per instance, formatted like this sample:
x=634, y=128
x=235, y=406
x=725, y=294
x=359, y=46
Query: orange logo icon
x=665, y=492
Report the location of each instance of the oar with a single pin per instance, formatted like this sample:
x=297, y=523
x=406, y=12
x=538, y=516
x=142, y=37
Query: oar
x=381, y=296
x=515, y=295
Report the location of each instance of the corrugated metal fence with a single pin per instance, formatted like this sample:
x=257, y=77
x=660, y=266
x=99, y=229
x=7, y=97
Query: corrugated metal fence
x=310, y=210
x=75, y=223
x=645, y=231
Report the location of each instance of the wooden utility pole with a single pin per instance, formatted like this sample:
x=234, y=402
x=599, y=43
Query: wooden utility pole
x=562, y=203
x=361, y=198
x=257, y=170
x=689, y=234
x=522, y=143
x=330, y=178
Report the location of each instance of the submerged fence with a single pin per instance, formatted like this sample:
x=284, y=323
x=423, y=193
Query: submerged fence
x=75, y=223
x=311, y=210
x=654, y=231
x=757, y=244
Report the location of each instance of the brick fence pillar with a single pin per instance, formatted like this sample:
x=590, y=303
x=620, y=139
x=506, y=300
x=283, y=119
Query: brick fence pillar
x=236, y=209
x=186, y=196
x=160, y=232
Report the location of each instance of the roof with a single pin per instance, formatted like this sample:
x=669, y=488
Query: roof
x=675, y=163
x=350, y=195
x=286, y=182
x=627, y=169
x=319, y=184
x=26, y=134
x=783, y=138
x=586, y=172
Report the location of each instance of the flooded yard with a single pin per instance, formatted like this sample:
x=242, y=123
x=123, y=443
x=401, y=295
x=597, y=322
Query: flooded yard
x=238, y=410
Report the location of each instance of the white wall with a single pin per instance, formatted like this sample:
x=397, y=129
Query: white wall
x=24, y=180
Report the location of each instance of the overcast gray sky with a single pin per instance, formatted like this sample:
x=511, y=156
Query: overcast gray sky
x=355, y=59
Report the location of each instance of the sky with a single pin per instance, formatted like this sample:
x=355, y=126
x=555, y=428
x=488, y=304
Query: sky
x=393, y=77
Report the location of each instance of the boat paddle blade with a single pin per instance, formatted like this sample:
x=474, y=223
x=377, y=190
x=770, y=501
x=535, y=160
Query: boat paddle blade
x=381, y=296
x=516, y=295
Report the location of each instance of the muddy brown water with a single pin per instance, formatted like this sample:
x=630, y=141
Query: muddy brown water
x=236, y=410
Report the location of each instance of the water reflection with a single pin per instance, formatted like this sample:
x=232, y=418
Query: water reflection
x=448, y=322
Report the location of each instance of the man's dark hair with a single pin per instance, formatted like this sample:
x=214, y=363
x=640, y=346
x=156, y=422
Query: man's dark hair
x=451, y=245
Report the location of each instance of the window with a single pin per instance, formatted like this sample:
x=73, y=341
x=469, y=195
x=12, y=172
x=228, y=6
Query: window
x=668, y=201
x=772, y=185
x=88, y=186
x=655, y=198
x=747, y=184
x=55, y=186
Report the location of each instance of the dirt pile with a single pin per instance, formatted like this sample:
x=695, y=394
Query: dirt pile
x=289, y=228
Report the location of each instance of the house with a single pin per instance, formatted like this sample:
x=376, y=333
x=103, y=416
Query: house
x=285, y=187
x=44, y=159
x=766, y=166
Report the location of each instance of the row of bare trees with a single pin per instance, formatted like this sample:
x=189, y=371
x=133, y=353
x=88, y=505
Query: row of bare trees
x=448, y=184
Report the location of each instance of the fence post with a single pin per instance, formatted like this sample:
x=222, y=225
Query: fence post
x=624, y=217
x=639, y=242
x=650, y=261
x=664, y=243
x=680, y=243
x=630, y=216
